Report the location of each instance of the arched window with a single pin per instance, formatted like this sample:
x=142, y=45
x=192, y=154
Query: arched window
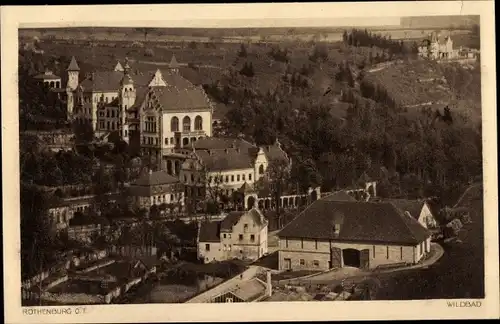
x=174, y=124
x=261, y=169
x=198, y=123
x=51, y=84
x=186, y=124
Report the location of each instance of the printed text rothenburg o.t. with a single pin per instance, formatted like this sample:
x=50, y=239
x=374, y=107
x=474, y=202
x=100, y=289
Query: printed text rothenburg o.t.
x=55, y=311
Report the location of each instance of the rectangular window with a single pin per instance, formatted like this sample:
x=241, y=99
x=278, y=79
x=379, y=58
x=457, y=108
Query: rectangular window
x=227, y=178
x=316, y=263
x=224, y=236
x=238, y=177
x=387, y=252
x=302, y=262
x=374, y=251
x=250, y=177
x=301, y=243
x=401, y=253
x=240, y=237
x=243, y=177
x=166, y=141
x=207, y=247
x=316, y=244
x=232, y=178
x=245, y=227
x=286, y=242
x=252, y=238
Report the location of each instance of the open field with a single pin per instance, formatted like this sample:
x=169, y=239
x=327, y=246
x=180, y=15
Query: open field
x=327, y=34
x=417, y=83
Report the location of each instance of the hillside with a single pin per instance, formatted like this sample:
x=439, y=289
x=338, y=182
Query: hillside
x=421, y=83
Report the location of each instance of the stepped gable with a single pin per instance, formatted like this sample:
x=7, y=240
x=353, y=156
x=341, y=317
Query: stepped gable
x=233, y=218
x=360, y=222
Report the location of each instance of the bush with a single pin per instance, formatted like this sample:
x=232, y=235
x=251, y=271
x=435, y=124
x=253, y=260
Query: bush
x=338, y=289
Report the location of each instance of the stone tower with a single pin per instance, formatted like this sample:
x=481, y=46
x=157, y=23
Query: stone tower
x=73, y=74
x=127, y=99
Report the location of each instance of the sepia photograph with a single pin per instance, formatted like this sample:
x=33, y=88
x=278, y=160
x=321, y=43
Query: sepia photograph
x=340, y=161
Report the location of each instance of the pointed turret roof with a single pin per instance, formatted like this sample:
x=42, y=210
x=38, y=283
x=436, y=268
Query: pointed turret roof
x=73, y=66
x=118, y=67
x=173, y=62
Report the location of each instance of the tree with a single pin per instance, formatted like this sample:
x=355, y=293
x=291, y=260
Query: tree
x=39, y=245
x=278, y=179
x=243, y=51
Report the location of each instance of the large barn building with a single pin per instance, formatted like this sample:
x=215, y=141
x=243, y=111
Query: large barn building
x=333, y=234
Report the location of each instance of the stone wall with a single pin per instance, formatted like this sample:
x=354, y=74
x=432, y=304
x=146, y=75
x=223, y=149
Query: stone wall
x=316, y=255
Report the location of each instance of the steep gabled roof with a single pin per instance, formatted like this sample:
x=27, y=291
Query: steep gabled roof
x=414, y=207
x=233, y=218
x=275, y=153
x=173, y=62
x=223, y=160
x=381, y=223
x=210, y=232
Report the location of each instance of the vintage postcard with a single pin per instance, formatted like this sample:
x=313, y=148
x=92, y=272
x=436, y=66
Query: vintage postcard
x=249, y=162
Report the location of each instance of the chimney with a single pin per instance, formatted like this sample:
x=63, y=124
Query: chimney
x=269, y=286
x=150, y=171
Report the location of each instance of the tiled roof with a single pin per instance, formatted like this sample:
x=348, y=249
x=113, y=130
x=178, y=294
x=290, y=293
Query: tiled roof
x=210, y=231
x=221, y=143
x=178, y=94
x=414, y=207
x=219, y=153
x=102, y=81
x=361, y=222
x=339, y=196
x=233, y=217
x=223, y=160
x=275, y=153
x=246, y=188
x=73, y=66
x=155, y=178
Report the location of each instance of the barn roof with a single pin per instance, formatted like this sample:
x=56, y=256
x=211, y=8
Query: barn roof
x=339, y=196
x=154, y=179
x=361, y=221
x=414, y=207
